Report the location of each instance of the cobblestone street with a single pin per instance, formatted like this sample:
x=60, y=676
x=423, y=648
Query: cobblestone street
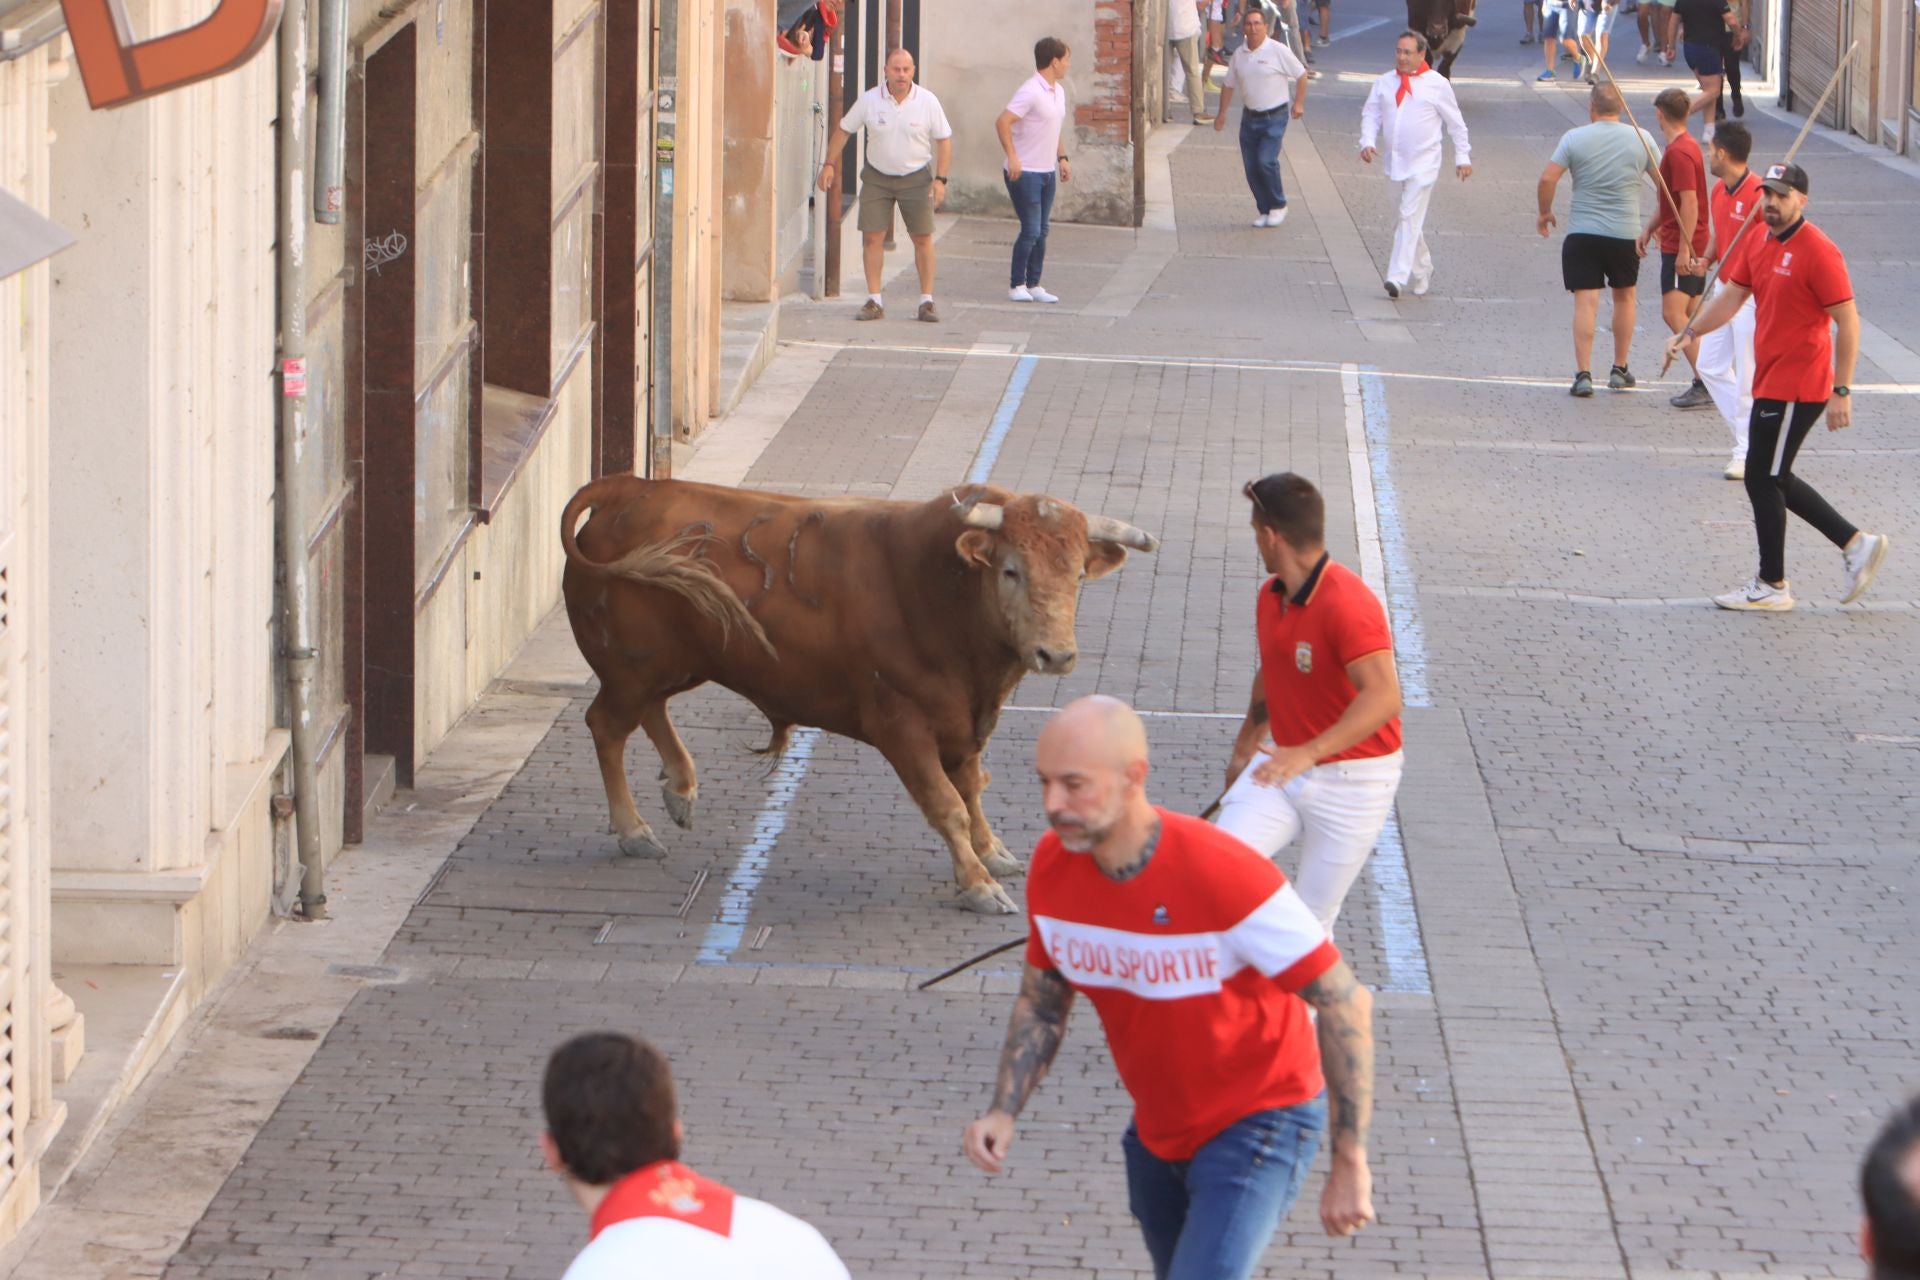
x=1642, y=930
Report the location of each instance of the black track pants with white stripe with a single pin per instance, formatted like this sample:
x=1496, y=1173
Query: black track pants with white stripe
x=1774, y=436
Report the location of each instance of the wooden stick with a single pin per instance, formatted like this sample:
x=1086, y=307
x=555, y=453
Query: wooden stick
x=1726, y=254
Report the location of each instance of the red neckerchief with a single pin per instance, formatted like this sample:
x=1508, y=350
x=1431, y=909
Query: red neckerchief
x=1406, y=85
x=667, y=1189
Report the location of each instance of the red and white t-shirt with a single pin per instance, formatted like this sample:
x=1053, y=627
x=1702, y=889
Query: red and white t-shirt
x=1192, y=966
x=1306, y=644
x=1794, y=277
x=1730, y=210
x=666, y=1222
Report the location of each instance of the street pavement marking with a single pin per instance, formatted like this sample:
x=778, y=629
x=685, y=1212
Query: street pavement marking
x=1002, y=421
x=1250, y=364
x=1378, y=528
x=729, y=923
x=1163, y=715
x=1369, y=25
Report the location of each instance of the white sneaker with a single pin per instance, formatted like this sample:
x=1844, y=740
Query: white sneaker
x=1277, y=217
x=1737, y=466
x=1261, y=221
x=1863, y=561
x=1646, y=52
x=1040, y=295
x=1666, y=59
x=1758, y=595
x=1421, y=284
x=1020, y=293
x=1706, y=134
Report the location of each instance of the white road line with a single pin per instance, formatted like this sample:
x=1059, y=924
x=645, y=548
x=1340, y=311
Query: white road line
x=1368, y=25
x=1161, y=715
x=1388, y=569
x=1003, y=417
x=729, y=923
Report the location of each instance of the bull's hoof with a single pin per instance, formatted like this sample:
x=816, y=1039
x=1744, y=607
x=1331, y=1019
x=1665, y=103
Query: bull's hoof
x=641, y=844
x=679, y=807
x=988, y=899
x=1001, y=863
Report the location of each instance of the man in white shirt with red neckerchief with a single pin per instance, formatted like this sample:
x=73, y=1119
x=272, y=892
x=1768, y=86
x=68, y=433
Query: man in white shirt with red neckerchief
x=1405, y=117
x=1318, y=755
x=613, y=1133
x=1192, y=949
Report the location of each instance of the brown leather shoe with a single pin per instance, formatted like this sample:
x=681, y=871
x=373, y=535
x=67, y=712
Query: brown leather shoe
x=928, y=314
x=872, y=310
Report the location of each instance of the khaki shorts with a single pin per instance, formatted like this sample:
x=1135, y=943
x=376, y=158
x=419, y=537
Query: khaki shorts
x=913, y=192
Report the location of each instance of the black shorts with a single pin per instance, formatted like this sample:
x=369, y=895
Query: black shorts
x=1692, y=286
x=1588, y=261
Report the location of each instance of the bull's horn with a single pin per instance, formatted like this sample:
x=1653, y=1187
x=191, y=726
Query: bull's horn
x=982, y=515
x=1107, y=529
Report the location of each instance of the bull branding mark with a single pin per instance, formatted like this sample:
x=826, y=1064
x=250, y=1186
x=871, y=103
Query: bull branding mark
x=118, y=69
x=793, y=558
x=753, y=557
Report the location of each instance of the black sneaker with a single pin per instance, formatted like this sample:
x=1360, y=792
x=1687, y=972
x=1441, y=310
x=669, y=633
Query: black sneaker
x=1739, y=105
x=1582, y=385
x=1694, y=397
x=1393, y=288
x=1619, y=379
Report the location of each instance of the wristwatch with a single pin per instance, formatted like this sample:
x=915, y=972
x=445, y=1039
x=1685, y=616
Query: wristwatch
x=1843, y=392
x=940, y=178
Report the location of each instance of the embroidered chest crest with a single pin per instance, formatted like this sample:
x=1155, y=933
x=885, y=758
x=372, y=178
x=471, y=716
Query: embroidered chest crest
x=1303, y=657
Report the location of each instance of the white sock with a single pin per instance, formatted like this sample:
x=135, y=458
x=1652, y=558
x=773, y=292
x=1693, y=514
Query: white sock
x=925, y=298
x=875, y=299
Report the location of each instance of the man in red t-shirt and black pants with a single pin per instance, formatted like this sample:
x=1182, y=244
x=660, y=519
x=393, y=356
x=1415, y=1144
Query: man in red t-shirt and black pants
x=1683, y=231
x=1201, y=961
x=1801, y=291
x=1318, y=755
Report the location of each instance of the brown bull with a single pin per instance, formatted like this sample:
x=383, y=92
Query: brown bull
x=901, y=625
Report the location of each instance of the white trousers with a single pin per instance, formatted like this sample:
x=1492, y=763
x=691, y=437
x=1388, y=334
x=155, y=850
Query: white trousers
x=1410, y=260
x=1726, y=367
x=1336, y=809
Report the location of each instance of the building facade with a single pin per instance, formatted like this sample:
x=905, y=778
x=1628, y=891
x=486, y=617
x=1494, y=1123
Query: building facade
x=479, y=341
x=1878, y=95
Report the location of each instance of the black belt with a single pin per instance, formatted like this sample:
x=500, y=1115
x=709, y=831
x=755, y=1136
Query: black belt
x=1269, y=111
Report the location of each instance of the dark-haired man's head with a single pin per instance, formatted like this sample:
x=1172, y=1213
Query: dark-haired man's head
x=1890, y=1190
x=1673, y=105
x=1732, y=146
x=1049, y=51
x=610, y=1109
x=1289, y=519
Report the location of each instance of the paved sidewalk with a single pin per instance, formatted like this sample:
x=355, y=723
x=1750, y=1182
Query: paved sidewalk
x=1643, y=937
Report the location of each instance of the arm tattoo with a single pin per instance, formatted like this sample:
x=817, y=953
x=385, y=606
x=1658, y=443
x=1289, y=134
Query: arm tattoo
x=1346, y=1052
x=1033, y=1037
x=1139, y=864
x=1258, y=711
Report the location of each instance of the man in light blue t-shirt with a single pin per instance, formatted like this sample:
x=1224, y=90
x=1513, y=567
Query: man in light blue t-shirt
x=1609, y=160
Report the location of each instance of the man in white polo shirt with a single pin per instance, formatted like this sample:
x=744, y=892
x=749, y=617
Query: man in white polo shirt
x=1271, y=79
x=614, y=1135
x=909, y=151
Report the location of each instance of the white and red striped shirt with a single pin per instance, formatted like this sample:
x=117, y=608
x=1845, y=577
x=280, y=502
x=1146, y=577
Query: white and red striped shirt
x=1193, y=966
x=666, y=1222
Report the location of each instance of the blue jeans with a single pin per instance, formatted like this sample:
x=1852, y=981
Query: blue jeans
x=1211, y=1217
x=1260, y=138
x=1032, y=195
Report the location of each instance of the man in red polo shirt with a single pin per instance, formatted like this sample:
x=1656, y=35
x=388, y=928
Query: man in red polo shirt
x=1802, y=295
x=1683, y=227
x=1318, y=755
x=1192, y=949
x=613, y=1133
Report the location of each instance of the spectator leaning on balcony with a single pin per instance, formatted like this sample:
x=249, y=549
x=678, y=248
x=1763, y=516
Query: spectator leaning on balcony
x=909, y=150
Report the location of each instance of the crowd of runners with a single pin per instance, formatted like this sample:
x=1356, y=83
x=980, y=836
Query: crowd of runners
x=1243, y=1039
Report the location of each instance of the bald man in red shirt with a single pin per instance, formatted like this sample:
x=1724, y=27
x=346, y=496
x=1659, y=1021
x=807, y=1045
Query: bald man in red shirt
x=1318, y=756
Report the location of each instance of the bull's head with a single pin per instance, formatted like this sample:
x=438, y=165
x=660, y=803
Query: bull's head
x=1033, y=552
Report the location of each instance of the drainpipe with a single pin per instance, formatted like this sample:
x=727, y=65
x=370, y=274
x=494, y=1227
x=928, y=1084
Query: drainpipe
x=296, y=584
x=666, y=107
x=330, y=145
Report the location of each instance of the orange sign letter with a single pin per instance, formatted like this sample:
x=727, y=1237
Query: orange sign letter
x=118, y=69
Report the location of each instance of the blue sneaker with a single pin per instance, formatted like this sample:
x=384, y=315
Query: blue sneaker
x=1545, y=75
x=1579, y=68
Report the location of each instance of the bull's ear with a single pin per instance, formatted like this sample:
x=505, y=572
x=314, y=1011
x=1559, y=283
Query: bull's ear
x=1103, y=558
x=975, y=548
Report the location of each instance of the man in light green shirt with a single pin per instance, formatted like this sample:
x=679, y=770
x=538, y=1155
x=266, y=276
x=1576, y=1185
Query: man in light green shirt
x=1609, y=160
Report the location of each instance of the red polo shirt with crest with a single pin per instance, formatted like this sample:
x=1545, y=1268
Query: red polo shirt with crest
x=1307, y=640
x=1795, y=276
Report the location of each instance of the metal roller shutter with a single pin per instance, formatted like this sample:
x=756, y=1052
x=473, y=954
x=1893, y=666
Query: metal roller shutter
x=1813, y=50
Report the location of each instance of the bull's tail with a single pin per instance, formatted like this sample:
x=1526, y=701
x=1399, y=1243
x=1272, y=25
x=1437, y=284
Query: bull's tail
x=673, y=565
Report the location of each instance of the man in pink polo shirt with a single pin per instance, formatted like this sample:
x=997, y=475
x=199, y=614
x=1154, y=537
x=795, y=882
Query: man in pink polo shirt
x=1029, y=132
